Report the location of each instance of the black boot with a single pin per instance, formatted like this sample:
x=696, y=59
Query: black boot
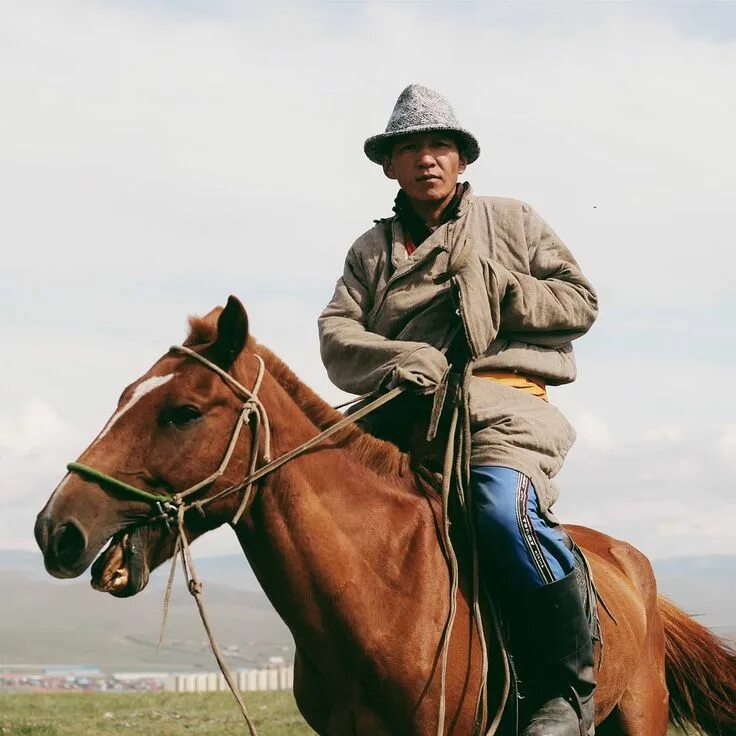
x=557, y=658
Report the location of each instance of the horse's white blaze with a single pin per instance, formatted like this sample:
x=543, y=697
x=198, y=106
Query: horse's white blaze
x=139, y=392
x=150, y=384
x=57, y=490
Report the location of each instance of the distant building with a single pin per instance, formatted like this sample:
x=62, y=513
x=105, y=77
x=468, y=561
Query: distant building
x=280, y=676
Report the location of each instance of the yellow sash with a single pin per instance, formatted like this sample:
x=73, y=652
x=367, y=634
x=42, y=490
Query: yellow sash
x=534, y=386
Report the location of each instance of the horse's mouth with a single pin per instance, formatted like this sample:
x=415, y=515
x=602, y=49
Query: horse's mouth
x=122, y=569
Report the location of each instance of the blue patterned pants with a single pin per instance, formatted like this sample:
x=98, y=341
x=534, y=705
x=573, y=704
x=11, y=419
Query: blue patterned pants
x=515, y=542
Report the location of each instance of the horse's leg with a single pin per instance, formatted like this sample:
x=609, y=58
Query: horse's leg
x=357, y=720
x=309, y=690
x=325, y=716
x=644, y=708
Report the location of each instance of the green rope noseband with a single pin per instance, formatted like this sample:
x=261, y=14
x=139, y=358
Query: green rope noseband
x=85, y=470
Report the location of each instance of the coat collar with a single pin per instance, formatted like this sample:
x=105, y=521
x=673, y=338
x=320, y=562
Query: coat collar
x=416, y=226
x=439, y=238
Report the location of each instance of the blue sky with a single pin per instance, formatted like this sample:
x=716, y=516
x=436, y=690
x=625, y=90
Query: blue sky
x=714, y=19
x=155, y=158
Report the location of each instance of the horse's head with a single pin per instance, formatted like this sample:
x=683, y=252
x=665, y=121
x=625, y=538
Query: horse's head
x=171, y=429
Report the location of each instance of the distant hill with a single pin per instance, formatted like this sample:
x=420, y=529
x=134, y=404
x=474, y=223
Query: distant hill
x=230, y=570
x=29, y=564
x=44, y=620
x=49, y=621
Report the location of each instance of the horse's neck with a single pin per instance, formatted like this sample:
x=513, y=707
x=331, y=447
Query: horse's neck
x=334, y=544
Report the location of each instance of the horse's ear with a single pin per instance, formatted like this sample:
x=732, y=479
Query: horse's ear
x=232, y=334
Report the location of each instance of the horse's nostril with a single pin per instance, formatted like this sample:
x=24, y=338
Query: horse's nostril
x=69, y=543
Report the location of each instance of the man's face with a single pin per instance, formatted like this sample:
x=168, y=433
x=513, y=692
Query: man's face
x=426, y=165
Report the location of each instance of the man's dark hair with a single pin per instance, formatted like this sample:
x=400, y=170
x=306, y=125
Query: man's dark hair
x=451, y=134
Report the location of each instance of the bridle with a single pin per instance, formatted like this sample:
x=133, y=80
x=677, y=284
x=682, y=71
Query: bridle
x=167, y=506
x=171, y=508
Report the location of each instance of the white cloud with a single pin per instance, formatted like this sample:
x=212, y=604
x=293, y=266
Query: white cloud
x=664, y=433
x=698, y=528
x=36, y=427
x=35, y=445
x=727, y=443
x=593, y=431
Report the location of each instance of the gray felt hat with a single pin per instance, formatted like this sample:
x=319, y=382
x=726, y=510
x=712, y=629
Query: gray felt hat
x=417, y=110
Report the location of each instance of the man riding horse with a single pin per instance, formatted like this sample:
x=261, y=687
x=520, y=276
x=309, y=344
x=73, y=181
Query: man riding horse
x=454, y=278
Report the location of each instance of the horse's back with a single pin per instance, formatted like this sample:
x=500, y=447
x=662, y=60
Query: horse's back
x=624, y=579
x=603, y=551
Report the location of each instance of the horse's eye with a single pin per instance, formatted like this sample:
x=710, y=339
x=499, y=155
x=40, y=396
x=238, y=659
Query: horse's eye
x=179, y=415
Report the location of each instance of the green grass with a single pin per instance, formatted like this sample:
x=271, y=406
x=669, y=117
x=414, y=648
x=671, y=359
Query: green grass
x=168, y=714
x=164, y=714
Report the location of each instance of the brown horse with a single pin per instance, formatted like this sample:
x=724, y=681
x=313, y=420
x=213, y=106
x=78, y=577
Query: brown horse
x=345, y=542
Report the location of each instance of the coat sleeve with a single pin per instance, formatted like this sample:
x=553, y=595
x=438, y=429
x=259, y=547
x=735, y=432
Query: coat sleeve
x=555, y=303
x=360, y=361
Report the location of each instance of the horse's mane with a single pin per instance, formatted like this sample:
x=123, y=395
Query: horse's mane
x=382, y=457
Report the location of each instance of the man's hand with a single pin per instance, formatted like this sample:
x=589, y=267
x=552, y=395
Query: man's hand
x=421, y=370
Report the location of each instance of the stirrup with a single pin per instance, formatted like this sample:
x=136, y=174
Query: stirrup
x=555, y=716
x=585, y=711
